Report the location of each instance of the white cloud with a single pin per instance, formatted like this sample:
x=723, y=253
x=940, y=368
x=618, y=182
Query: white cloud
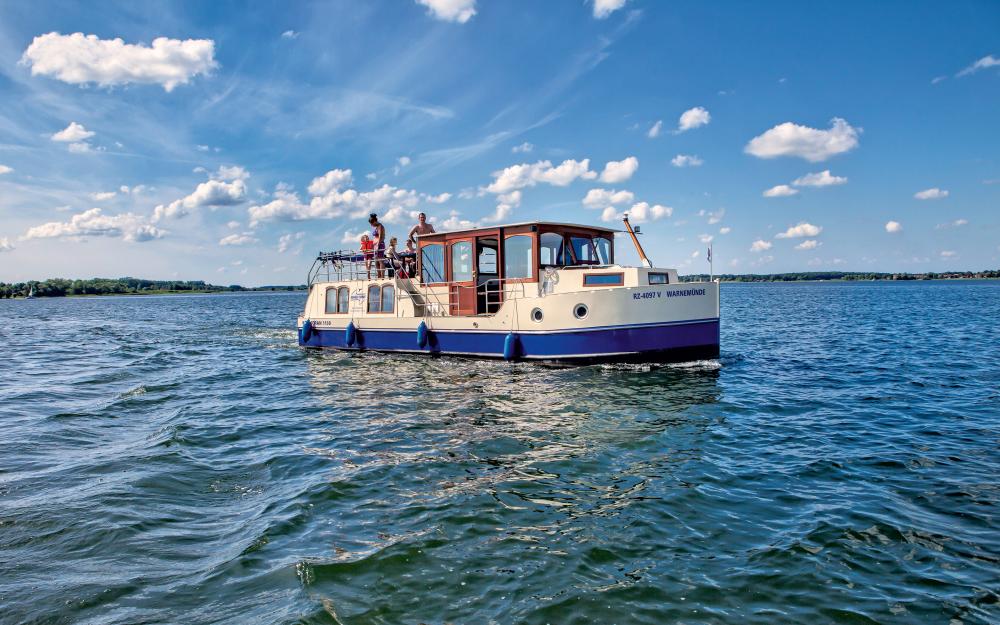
x=210, y=193
x=781, y=190
x=725, y=230
x=403, y=161
x=760, y=245
x=954, y=224
x=93, y=222
x=984, y=63
x=619, y=171
x=820, y=179
x=455, y=222
x=802, y=230
x=386, y=200
x=5, y=170
x=333, y=180
x=931, y=194
x=524, y=148
x=529, y=174
x=693, y=118
x=686, y=160
x=103, y=195
x=642, y=212
x=654, y=130
x=810, y=244
x=79, y=148
x=73, y=133
x=289, y=34
x=893, y=227
x=716, y=217
x=233, y=225
x=79, y=59
x=5, y=245
x=812, y=144
x=285, y=241
x=705, y=238
x=460, y=11
x=604, y=8
x=938, y=79
x=600, y=198
x=245, y=238
x=231, y=173
x=947, y=254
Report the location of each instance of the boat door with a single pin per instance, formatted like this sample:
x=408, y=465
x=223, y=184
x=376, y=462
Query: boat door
x=489, y=295
x=462, y=283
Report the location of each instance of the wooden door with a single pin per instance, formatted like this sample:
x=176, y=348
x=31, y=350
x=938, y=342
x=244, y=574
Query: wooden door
x=462, y=277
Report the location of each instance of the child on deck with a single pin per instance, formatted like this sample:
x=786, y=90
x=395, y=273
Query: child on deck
x=368, y=251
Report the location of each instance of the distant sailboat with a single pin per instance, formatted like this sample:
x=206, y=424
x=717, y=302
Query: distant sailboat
x=31, y=293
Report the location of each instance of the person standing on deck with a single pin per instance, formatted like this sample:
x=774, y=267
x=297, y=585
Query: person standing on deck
x=422, y=227
x=378, y=243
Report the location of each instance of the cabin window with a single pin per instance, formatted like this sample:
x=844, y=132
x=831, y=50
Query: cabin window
x=488, y=259
x=603, y=279
x=603, y=248
x=659, y=278
x=331, y=301
x=584, y=251
x=374, y=299
x=517, y=256
x=432, y=263
x=551, y=248
x=461, y=261
x=388, y=298
x=343, y=299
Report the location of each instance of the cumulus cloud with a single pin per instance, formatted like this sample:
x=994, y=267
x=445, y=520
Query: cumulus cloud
x=893, y=227
x=686, y=160
x=230, y=173
x=524, y=148
x=931, y=194
x=103, y=195
x=460, y=11
x=639, y=213
x=693, y=118
x=619, y=171
x=210, y=193
x=332, y=180
x=529, y=174
x=79, y=148
x=78, y=59
x=984, y=63
x=802, y=230
x=760, y=245
x=812, y=144
x=820, y=179
x=440, y=198
x=705, y=238
x=600, y=198
x=244, y=238
x=289, y=34
x=810, y=244
x=390, y=202
x=781, y=190
x=949, y=254
x=5, y=169
x=725, y=230
x=654, y=130
x=93, y=222
x=5, y=245
x=73, y=133
x=604, y=8
x=716, y=217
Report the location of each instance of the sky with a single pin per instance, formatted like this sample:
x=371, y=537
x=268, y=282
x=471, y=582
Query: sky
x=230, y=142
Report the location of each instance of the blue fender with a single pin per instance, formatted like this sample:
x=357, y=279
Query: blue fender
x=305, y=333
x=350, y=334
x=422, y=335
x=510, y=345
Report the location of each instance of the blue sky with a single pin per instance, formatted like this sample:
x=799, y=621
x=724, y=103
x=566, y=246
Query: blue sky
x=213, y=140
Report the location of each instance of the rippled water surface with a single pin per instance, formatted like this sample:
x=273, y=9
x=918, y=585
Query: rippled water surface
x=181, y=460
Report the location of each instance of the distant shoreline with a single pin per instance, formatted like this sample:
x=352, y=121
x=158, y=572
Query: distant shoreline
x=100, y=287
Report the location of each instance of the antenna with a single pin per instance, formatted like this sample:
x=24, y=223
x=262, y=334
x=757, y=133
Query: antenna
x=635, y=240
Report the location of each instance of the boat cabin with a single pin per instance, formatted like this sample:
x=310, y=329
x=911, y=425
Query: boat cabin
x=477, y=266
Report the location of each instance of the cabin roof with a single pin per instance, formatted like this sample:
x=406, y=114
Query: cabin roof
x=523, y=223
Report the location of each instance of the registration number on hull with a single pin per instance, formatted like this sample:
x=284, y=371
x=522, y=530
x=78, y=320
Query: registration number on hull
x=660, y=294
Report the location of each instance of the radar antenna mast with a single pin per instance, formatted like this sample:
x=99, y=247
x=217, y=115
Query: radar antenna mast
x=635, y=240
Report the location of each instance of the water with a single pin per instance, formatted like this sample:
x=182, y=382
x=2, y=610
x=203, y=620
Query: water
x=180, y=460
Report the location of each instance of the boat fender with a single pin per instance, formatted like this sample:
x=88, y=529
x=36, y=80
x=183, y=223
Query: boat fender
x=422, y=335
x=510, y=345
x=306, y=332
x=350, y=334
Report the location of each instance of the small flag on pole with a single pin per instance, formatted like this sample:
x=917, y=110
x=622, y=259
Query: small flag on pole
x=709, y=253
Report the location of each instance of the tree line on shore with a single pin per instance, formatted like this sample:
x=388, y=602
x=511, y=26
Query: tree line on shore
x=842, y=275
x=61, y=287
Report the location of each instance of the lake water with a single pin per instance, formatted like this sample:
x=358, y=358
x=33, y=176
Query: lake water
x=180, y=460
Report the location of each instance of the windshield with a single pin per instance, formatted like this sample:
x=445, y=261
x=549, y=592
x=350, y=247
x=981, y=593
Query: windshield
x=591, y=250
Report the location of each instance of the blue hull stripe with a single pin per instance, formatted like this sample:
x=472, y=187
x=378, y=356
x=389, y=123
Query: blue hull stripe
x=590, y=343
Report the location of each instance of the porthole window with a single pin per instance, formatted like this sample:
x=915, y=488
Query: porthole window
x=580, y=311
x=536, y=315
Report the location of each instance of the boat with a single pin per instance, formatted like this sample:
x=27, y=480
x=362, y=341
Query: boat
x=535, y=291
x=31, y=293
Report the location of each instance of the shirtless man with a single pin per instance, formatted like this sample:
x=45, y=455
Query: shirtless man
x=422, y=226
